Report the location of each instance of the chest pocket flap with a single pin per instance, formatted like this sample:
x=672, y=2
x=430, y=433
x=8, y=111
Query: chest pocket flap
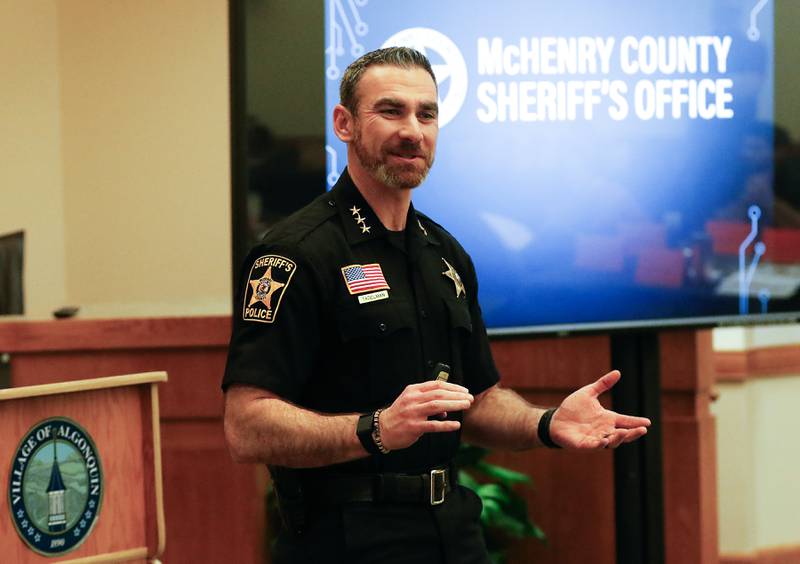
x=374, y=320
x=458, y=312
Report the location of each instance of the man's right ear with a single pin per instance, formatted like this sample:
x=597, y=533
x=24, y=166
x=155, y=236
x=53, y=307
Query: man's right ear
x=343, y=123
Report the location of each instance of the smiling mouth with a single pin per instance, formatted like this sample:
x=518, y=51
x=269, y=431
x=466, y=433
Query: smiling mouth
x=407, y=157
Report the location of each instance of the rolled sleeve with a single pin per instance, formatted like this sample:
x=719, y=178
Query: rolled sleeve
x=276, y=331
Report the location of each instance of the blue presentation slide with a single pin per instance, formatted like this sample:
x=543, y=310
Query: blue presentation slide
x=605, y=162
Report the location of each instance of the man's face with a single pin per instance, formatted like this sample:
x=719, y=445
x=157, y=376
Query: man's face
x=396, y=126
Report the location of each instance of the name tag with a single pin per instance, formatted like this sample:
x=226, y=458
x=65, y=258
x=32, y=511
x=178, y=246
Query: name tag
x=373, y=297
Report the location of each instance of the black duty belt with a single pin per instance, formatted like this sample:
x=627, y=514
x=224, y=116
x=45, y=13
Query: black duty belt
x=430, y=488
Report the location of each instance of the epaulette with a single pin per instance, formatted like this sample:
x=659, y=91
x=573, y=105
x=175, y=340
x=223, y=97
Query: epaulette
x=430, y=221
x=296, y=227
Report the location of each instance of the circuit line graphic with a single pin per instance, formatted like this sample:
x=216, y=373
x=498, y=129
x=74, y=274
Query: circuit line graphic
x=764, y=296
x=341, y=23
x=333, y=174
x=753, y=33
x=746, y=273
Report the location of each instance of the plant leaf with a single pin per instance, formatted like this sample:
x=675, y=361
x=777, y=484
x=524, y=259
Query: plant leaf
x=496, y=491
x=503, y=474
x=504, y=510
x=466, y=480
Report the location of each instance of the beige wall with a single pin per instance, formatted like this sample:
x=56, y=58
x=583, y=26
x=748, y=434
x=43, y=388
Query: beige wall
x=744, y=338
x=757, y=451
x=146, y=155
x=31, y=194
x=116, y=154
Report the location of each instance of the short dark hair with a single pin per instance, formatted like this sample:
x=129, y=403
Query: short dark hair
x=404, y=57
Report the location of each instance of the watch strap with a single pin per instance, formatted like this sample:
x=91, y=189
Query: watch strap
x=544, y=429
x=364, y=433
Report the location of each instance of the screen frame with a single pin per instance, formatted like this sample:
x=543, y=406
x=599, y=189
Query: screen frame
x=240, y=244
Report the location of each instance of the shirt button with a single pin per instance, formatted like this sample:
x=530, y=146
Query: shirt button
x=423, y=314
x=430, y=364
x=382, y=327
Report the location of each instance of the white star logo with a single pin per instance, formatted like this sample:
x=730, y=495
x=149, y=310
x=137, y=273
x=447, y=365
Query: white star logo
x=450, y=75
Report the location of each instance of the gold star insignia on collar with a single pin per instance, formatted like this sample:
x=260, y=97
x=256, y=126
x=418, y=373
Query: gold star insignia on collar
x=263, y=288
x=453, y=275
x=360, y=221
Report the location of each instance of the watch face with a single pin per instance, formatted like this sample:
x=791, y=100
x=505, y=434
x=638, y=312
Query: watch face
x=366, y=434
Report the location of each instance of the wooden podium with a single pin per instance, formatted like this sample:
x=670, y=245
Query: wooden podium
x=80, y=468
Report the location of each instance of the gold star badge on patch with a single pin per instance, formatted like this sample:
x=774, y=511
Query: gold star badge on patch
x=263, y=288
x=269, y=278
x=453, y=275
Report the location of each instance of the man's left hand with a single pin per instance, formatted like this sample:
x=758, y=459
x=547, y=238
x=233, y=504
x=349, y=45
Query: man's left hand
x=581, y=422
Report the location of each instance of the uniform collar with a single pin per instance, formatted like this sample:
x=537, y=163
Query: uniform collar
x=361, y=223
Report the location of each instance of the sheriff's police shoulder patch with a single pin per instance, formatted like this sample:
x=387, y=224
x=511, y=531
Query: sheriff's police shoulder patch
x=269, y=278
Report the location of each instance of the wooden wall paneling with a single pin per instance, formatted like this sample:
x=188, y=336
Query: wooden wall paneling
x=562, y=364
x=194, y=373
x=572, y=499
x=689, y=443
x=215, y=512
x=738, y=366
x=114, y=334
x=210, y=503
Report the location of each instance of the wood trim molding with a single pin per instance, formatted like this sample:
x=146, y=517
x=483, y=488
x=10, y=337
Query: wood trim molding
x=157, y=471
x=738, y=366
x=82, y=385
x=109, y=334
x=121, y=556
x=776, y=555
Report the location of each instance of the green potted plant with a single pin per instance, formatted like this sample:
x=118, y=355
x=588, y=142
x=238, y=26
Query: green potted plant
x=505, y=512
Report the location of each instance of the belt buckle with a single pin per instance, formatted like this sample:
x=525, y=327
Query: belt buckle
x=438, y=476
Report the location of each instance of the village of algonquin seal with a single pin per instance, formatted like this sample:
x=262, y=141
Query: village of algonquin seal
x=55, y=486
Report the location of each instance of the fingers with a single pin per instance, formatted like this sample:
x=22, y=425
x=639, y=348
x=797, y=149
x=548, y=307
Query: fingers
x=442, y=406
x=437, y=385
x=634, y=434
x=604, y=383
x=437, y=426
x=422, y=408
x=629, y=421
x=434, y=398
x=621, y=436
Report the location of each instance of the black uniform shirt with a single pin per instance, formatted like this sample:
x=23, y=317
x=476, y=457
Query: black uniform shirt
x=336, y=314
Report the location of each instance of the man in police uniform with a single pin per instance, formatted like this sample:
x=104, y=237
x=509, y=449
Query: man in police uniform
x=359, y=354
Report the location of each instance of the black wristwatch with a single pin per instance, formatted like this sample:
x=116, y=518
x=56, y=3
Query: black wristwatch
x=369, y=433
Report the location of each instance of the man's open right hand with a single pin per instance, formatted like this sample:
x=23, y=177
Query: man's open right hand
x=406, y=420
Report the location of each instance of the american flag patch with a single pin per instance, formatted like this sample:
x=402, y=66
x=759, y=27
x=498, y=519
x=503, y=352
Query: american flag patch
x=362, y=278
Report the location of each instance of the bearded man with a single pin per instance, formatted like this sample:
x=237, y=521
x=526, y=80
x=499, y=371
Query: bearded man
x=359, y=356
